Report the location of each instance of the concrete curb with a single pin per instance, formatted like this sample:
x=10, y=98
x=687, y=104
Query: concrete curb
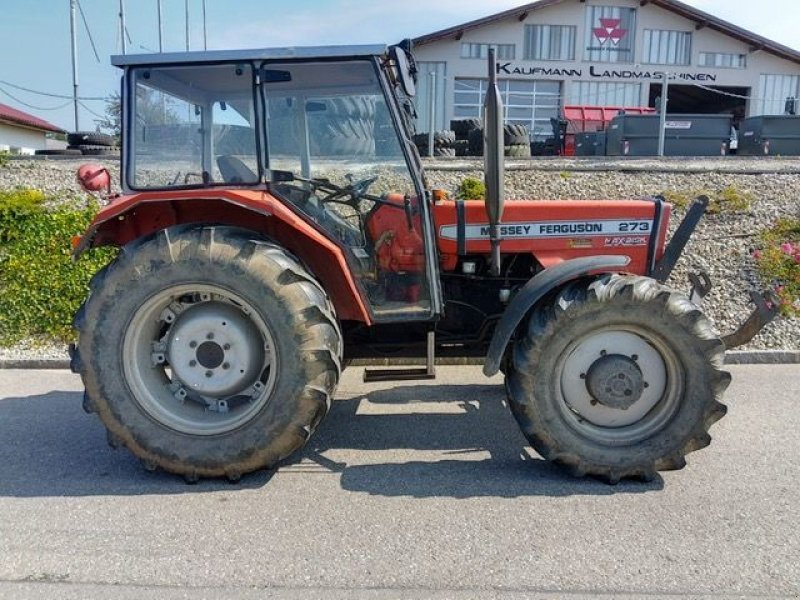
x=734, y=357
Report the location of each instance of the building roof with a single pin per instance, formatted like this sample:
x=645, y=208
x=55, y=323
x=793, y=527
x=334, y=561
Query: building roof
x=17, y=117
x=701, y=19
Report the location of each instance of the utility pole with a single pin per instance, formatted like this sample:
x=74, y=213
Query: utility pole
x=186, y=4
x=205, y=32
x=662, y=124
x=160, y=30
x=122, y=25
x=432, y=98
x=74, y=59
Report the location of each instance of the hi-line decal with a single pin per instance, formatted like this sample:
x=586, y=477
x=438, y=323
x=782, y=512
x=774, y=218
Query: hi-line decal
x=551, y=229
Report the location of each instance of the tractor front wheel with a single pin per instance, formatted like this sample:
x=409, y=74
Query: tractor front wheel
x=207, y=352
x=619, y=377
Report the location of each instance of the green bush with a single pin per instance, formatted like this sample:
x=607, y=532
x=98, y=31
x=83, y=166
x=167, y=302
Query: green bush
x=471, y=189
x=40, y=286
x=4, y=154
x=778, y=260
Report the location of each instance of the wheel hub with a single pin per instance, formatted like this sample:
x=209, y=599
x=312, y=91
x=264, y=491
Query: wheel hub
x=214, y=350
x=615, y=381
x=210, y=355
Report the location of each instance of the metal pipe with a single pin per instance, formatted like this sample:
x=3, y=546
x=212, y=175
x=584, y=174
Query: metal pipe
x=205, y=32
x=160, y=30
x=432, y=98
x=122, y=25
x=662, y=124
x=186, y=4
x=74, y=39
x=494, y=161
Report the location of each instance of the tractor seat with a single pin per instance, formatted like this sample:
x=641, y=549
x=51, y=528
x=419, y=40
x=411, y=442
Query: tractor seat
x=233, y=170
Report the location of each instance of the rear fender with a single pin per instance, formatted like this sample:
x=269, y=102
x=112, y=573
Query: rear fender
x=536, y=289
x=132, y=217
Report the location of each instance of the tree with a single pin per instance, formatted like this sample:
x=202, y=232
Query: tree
x=151, y=108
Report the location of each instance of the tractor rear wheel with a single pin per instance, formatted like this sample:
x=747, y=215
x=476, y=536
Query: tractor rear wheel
x=617, y=378
x=206, y=352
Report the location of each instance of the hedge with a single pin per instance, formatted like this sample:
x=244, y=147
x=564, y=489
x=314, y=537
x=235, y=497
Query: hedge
x=40, y=285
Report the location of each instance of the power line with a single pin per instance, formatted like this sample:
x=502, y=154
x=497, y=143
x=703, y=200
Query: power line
x=33, y=106
x=88, y=31
x=49, y=95
x=90, y=111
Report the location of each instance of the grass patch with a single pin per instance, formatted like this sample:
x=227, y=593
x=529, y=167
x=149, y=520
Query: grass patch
x=727, y=200
x=41, y=286
x=778, y=260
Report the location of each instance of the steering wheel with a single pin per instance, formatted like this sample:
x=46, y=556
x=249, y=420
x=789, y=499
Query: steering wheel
x=355, y=191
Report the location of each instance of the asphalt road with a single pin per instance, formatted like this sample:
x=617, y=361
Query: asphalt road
x=407, y=491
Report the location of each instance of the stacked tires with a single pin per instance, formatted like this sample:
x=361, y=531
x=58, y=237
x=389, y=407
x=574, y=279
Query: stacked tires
x=443, y=143
x=91, y=143
x=516, y=139
x=464, y=128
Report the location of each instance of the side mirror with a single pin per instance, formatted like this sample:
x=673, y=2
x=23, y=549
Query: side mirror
x=406, y=71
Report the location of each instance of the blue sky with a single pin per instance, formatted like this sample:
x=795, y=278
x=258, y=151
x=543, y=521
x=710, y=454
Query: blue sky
x=36, y=48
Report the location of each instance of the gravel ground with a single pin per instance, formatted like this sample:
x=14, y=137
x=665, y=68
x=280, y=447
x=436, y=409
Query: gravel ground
x=721, y=245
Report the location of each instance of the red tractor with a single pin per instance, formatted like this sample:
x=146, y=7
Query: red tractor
x=276, y=224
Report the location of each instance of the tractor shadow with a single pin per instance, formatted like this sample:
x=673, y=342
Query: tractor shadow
x=51, y=448
x=422, y=441
x=468, y=440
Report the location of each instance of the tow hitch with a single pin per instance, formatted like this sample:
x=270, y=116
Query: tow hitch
x=767, y=308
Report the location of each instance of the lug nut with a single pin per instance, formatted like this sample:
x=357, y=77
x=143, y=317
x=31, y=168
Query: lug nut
x=603, y=352
x=192, y=363
x=209, y=374
x=226, y=366
x=192, y=344
x=210, y=336
x=635, y=357
x=226, y=347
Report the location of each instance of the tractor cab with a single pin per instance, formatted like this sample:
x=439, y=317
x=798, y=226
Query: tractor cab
x=326, y=136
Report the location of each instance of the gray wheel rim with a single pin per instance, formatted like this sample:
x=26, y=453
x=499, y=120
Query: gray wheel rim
x=659, y=401
x=199, y=359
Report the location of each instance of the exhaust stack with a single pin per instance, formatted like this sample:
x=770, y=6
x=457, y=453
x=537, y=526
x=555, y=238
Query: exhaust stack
x=494, y=161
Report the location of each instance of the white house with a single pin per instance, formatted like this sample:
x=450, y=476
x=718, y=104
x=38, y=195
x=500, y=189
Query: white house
x=22, y=133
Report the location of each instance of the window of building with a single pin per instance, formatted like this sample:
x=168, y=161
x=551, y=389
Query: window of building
x=503, y=51
x=723, y=61
x=610, y=34
x=550, y=42
x=597, y=93
x=773, y=92
x=667, y=47
x=529, y=103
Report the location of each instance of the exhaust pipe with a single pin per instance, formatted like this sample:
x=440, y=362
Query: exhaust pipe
x=494, y=161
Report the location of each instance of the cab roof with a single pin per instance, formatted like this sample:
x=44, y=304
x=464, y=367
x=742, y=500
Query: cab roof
x=223, y=56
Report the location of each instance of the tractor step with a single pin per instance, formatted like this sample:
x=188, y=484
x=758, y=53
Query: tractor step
x=428, y=372
x=371, y=375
